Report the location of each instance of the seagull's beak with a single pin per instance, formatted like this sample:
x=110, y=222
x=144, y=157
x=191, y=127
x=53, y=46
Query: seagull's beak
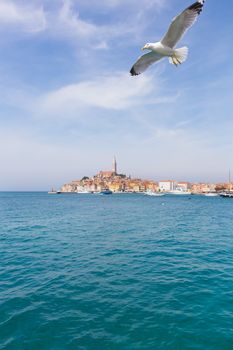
x=143, y=48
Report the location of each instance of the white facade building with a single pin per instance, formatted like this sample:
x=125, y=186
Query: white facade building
x=167, y=186
x=184, y=186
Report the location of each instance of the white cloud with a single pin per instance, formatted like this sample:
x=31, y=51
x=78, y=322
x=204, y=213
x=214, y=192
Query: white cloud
x=28, y=18
x=117, y=92
x=70, y=23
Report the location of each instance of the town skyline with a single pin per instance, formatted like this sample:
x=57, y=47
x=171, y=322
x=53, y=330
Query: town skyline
x=120, y=182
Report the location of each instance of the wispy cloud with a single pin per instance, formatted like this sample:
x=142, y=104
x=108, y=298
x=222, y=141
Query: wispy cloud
x=25, y=17
x=67, y=20
x=73, y=24
x=113, y=93
x=70, y=23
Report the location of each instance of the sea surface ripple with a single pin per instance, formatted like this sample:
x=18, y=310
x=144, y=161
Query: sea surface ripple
x=115, y=272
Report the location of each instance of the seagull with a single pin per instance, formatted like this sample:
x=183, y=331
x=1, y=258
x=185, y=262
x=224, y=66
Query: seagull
x=166, y=47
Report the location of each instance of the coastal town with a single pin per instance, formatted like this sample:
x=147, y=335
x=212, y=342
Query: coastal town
x=114, y=182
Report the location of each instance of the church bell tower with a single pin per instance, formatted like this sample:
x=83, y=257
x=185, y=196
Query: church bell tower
x=114, y=166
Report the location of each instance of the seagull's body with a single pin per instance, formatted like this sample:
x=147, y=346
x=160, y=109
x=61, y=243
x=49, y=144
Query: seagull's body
x=161, y=49
x=166, y=47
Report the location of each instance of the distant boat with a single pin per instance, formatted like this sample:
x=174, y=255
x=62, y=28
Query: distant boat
x=155, y=194
x=179, y=192
x=106, y=191
x=211, y=194
x=53, y=191
x=228, y=194
x=84, y=192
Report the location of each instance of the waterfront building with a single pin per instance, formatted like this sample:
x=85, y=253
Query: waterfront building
x=115, y=186
x=184, y=186
x=151, y=186
x=203, y=188
x=167, y=185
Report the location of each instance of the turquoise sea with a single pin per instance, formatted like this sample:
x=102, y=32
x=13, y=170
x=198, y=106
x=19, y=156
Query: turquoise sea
x=120, y=272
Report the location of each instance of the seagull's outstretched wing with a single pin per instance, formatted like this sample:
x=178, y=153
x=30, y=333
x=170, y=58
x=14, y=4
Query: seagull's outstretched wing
x=182, y=23
x=144, y=62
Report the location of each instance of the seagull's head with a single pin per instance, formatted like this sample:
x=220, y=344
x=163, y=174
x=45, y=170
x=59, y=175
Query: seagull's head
x=147, y=47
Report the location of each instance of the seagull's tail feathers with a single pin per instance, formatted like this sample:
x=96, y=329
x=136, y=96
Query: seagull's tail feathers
x=179, y=56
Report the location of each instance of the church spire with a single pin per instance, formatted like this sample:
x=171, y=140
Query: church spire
x=114, y=165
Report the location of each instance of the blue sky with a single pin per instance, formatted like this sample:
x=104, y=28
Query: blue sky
x=68, y=103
